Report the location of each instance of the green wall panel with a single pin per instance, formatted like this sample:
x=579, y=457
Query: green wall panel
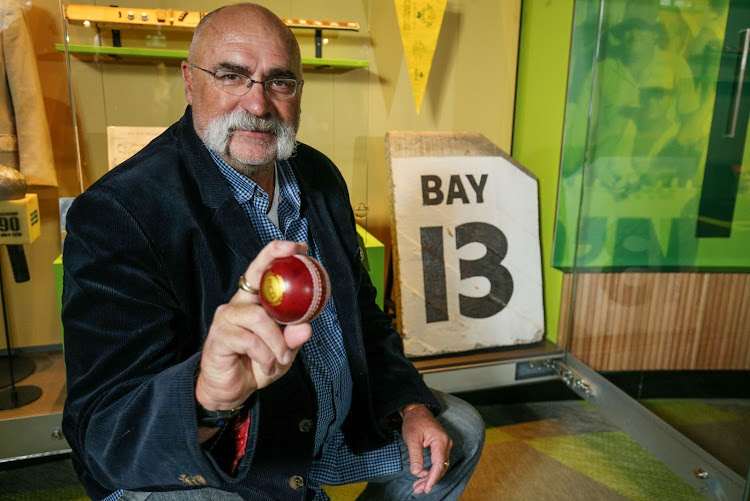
x=636, y=139
x=537, y=133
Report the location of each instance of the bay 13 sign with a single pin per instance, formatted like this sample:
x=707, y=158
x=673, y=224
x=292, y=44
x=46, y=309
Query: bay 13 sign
x=468, y=260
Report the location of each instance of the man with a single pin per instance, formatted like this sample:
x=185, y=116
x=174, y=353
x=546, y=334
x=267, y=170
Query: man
x=179, y=383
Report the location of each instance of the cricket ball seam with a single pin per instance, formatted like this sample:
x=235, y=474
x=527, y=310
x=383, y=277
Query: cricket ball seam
x=317, y=288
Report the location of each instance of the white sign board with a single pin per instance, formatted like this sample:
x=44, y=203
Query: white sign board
x=124, y=142
x=469, y=260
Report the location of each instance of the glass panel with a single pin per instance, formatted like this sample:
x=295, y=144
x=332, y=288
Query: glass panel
x=663, y=187
x=127, y=84
x=85, y=92
x=654, y=210
x=32, y=123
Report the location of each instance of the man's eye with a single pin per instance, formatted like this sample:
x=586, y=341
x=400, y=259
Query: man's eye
x=229, y=77
x=281, y=84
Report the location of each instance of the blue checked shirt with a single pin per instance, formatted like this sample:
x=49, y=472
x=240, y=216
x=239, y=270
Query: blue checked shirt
x=324, y=353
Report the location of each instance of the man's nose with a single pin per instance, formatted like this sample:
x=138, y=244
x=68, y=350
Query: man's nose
x=255, y=100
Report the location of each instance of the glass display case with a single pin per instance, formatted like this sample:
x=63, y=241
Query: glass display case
x=111, y=82
x=32, y=382
x=653, y=226
x=126, y=82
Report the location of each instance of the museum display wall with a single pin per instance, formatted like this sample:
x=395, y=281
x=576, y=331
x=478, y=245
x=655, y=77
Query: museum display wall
x=147, y=92
x=346, y=113
x=533, y=78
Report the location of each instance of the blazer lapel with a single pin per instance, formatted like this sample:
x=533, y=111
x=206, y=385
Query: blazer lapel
x=227, y=216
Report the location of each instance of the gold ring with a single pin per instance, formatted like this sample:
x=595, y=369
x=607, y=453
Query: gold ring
x=242, y=284
x=447, y=464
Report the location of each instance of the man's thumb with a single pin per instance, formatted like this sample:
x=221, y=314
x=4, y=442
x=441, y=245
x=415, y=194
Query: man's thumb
x=297, y=335
x=415, y=456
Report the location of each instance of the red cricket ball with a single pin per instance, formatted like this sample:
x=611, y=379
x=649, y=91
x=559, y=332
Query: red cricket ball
x=295, y=289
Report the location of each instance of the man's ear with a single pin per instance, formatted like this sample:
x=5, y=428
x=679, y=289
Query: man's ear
x=187, y=78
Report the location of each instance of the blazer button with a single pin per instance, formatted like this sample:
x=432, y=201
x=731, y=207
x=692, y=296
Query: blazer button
x=305, y=425
x=296, y=482
x=194, y=480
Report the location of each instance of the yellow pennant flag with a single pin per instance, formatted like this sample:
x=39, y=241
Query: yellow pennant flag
x=419, y=22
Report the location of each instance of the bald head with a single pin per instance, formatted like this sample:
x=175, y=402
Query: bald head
x=217, y=23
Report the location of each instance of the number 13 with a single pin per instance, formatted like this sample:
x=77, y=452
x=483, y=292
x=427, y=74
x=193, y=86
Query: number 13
x=488, y=266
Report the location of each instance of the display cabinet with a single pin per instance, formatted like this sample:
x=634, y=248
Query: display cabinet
x=120, y=69
x=652, y=229
x=124, y=67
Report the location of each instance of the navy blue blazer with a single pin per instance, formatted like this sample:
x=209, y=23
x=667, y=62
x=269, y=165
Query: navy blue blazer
x=152, y=249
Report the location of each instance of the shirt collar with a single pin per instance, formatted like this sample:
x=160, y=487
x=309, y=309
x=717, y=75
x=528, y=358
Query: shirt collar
x=245, y=190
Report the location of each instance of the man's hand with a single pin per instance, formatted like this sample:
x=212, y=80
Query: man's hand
x=421, y=430
x=245, y=349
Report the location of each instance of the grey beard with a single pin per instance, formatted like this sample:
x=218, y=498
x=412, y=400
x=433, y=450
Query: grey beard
x=217, y=133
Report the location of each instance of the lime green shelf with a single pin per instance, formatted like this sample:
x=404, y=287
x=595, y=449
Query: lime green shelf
x=93, y=50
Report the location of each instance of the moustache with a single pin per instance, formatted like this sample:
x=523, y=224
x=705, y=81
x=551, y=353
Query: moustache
x=251, y=123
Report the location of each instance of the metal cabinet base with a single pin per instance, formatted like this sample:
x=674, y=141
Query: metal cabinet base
x=32, y=437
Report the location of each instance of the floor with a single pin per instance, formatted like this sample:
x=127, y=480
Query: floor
x=561, y=450
x=49, y=376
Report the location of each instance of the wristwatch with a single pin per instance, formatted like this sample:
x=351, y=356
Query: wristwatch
x=215, y=419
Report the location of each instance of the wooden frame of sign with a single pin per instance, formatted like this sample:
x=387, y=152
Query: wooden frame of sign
x=466, y=250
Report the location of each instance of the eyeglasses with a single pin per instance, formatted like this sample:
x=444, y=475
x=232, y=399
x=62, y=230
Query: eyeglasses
x=238, y=84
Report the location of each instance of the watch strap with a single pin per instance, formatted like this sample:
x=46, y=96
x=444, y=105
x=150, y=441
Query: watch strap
x=217, y=418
